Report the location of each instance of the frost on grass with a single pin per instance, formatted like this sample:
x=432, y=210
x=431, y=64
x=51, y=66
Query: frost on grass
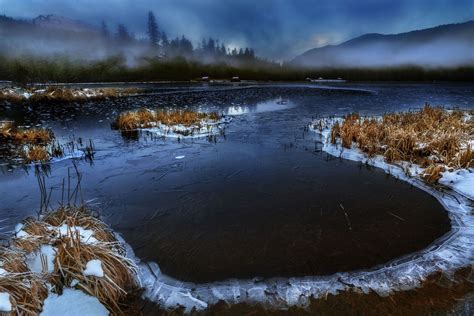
x=172, y=123
x=67, y=255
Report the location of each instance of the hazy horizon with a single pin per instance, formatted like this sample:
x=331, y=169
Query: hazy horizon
x=278, y=30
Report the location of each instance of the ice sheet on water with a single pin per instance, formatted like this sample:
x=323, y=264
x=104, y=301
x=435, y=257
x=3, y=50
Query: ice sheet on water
x=454, y=251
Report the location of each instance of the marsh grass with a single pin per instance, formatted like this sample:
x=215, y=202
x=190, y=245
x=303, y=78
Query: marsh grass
x=114, y=290
x=434, y=138
x=10, y=133
x=145, y=118
x=38, y=145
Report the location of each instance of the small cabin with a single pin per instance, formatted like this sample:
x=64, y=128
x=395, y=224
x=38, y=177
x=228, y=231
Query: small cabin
x=235, y=79
x=205, y=79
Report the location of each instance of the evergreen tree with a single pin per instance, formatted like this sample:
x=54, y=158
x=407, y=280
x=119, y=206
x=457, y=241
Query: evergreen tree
x=122, y=33
x=252, y=53
x=211, y=46
x=223, y=50
x=104, y=30
x=153, y=33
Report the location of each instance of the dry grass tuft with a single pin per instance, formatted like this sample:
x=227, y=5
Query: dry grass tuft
x=13, y=261
x=27, y=293
x=61, y=229
x=38, y=234
x=10, y=133
x=144, y=118
x=111, y=290
x=433, y=173
x=431, y=137
x=79, y=216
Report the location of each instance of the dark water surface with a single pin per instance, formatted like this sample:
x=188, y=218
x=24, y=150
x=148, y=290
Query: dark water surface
x=260, y=201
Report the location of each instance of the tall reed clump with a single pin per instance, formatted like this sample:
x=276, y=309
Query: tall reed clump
x=145, y=118
x=434, y=138
x=77, y=237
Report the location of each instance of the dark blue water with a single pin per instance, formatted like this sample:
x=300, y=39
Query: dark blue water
x=262, y=200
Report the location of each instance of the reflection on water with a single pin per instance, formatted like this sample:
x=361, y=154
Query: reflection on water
x=266, y=106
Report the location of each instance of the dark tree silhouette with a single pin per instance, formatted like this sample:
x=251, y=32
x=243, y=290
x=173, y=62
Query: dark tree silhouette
x=153, y=33
x=122, y=33
x=164, y=39
x=104, y=30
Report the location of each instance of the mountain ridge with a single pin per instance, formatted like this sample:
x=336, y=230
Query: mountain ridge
x=405, y=48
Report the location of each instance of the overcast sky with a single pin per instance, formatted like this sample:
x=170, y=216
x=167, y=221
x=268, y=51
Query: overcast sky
x=277, y=29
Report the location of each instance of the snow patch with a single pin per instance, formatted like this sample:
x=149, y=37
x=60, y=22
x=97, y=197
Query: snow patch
x=85, y=234
x=94, y=268
x=42, y=260
x=462, y=181
x=73, y=303
x=5, y=304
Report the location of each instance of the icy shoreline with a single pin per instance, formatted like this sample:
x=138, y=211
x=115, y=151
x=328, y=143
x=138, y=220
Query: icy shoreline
x=453, y=251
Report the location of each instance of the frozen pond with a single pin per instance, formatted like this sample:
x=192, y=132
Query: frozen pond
x=260, y=201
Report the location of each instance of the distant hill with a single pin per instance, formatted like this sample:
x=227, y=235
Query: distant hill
x=62, y=23
x=445, y=45
x=57, y=36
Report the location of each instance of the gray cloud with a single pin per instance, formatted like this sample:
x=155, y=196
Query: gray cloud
x=277, y=29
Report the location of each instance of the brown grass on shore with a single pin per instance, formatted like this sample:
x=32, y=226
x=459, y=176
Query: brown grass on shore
x=432, y=137
x=61, y=229
x=59, y=94
x=144, y=118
